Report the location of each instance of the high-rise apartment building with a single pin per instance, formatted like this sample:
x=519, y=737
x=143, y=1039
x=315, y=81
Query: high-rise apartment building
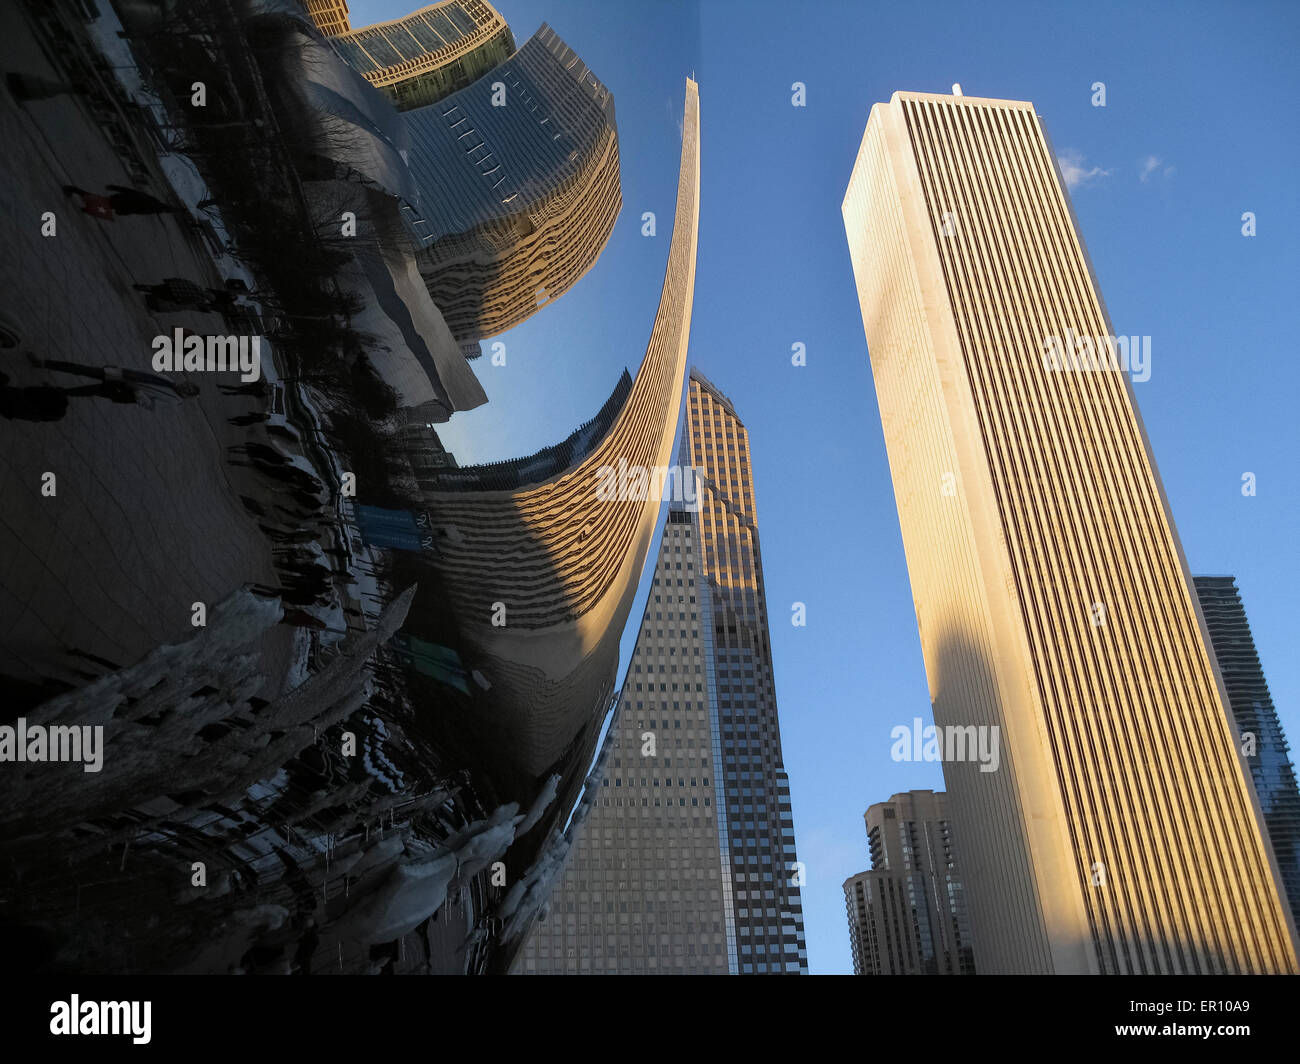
x=1118, y=833
x=519, y=186
x=1263, y=745
x=687, y=863
x=427, y=55
x=643, y=890
x=907, y=914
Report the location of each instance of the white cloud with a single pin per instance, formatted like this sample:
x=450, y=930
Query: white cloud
x=1076, y=171
x=1152, y=166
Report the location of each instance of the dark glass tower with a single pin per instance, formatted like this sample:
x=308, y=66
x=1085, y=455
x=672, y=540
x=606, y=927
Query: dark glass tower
x=686, y=862
x=1252, y=706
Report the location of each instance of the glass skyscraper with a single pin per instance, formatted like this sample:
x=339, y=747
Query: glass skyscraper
x=686, y=862
x=1265, y=747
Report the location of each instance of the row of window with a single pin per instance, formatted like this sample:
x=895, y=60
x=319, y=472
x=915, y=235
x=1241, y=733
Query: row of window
x=645, y=802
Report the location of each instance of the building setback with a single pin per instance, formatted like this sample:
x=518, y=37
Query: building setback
x=1051, y=593
x=907, y=915
x=1252, y=708
x=686, y=862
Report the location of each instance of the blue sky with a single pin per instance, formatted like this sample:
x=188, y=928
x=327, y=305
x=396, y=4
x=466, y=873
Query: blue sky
x=1199, y=127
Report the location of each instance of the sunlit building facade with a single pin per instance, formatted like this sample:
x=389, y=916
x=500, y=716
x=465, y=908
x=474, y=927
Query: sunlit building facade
x=1053, y=602
x=686, y=863
x=907, y=914
x=538, y=578
x=330, y=16
x=519, y=187
x=427, y=55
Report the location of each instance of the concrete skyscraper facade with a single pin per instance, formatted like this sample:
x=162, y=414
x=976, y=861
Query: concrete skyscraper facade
x=1119, y=833
x=687, y=861
x=519, y=187
x=1264, y=746
x=907, y=914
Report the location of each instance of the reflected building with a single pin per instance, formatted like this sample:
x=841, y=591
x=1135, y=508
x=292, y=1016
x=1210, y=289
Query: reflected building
x=1051, y=593
x=1257, y=721
x=423, y=452
x=427, y=55
x=331, y=16
x=686, y=863
x=514, y=156
x=907, y=915
x=518, y=182
x=332, y=770
x=527, y=585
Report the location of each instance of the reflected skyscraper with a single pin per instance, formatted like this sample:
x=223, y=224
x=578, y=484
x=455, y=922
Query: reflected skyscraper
x=686, y=862
x=1051, y=593
x=331, y=16
x=529, y=576
x=518, y=186
x=426, y=55
x=513, y=157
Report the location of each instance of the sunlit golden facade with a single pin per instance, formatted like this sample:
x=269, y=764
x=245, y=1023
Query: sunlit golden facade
x=517, y=201
x=427, y=55
x=330, y=16
x=691, y=835
x=542, y=578
x=907, y=914
x=1120, y=833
